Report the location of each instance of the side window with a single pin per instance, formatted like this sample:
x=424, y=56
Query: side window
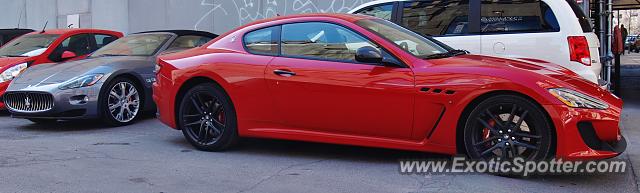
x=78, y=44
x=437, y=18
x=517, y=16
x=102, y=40
x=262, y=41
x=383, y=11
x=318, y=40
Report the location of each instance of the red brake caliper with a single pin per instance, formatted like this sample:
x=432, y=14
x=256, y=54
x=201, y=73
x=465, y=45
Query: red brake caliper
x=486, y=133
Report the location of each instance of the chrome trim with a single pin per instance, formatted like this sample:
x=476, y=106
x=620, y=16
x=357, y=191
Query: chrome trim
x=29, y=102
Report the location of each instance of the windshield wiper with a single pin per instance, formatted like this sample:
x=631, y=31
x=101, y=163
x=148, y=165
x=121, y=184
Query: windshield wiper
x=107, y=55
x=447, y=54
x=14, y=56
x=458, y=52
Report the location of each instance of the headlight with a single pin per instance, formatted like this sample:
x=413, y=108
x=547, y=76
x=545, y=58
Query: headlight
x=577, y=100
x=12, y=72
x=82, y=81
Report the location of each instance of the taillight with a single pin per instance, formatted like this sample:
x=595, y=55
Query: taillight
x=579, y=50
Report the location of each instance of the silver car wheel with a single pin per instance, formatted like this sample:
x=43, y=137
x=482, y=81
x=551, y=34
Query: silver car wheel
x=123, y=102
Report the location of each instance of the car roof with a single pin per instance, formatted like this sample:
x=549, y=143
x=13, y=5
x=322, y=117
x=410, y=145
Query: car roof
x=342, y=16
x=15, y=30
x=75, y=30
x=373, y=3
x=183, y=33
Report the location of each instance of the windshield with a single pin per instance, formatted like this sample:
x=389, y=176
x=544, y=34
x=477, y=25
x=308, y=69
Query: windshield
x=133, y=45
x=28, y=45
x=409, y=41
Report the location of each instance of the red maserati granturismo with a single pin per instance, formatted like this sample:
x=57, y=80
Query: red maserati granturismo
x=358, y=80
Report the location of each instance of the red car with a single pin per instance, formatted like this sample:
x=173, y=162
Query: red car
x=358, y=80
x=46, y=47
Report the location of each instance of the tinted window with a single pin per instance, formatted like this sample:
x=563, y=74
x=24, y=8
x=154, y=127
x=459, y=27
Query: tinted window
x=437, y=17
x=383, y=11
x=517, y=16
x=322, y=41
x=78, y=44
x=263, y=41
x=102, y=40
x=582, y=18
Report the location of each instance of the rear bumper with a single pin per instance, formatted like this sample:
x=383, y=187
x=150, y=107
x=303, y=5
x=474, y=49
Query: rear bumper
x=164, y=96
x=586, y=134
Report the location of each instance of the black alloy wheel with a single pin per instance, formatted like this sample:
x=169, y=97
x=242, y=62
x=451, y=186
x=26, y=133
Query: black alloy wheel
x=207, y=118
x=505, y=127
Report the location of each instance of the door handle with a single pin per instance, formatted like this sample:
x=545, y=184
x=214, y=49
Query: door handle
x=285, y=73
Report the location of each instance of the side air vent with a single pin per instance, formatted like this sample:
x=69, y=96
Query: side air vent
x=437, y=91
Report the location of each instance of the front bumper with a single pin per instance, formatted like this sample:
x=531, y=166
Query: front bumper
x=3, y=89
x=587, y=134
x=65, y=104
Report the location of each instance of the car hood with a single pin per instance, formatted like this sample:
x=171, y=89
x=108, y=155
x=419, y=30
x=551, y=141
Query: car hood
x=7, y=62
x=512, y=67
x=45, y=74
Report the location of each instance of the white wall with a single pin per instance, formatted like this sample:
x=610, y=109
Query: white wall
x=129, y=16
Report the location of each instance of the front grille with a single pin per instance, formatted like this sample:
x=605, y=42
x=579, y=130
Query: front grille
x=28, y=101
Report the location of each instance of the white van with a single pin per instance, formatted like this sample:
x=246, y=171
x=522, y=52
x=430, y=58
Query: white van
x=556, y=31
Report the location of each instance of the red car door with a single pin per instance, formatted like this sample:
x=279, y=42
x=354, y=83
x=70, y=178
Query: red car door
x=318, y=86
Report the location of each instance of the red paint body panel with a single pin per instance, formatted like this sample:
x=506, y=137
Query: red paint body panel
x=375, y=106
x=6, y=63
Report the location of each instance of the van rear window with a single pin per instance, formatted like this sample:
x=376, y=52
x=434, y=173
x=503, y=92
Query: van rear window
x=582, y=18
x=510, y=16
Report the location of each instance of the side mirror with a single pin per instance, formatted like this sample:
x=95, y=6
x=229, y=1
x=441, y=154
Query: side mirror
x=368, y=54
x=68, y=55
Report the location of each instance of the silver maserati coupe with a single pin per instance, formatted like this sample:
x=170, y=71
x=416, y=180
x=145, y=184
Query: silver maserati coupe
x=112, y=84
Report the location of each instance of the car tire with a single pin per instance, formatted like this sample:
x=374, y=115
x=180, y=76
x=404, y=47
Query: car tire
x=494, y=130
x=43, y=121
x=113, y=105
x=207, y=118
